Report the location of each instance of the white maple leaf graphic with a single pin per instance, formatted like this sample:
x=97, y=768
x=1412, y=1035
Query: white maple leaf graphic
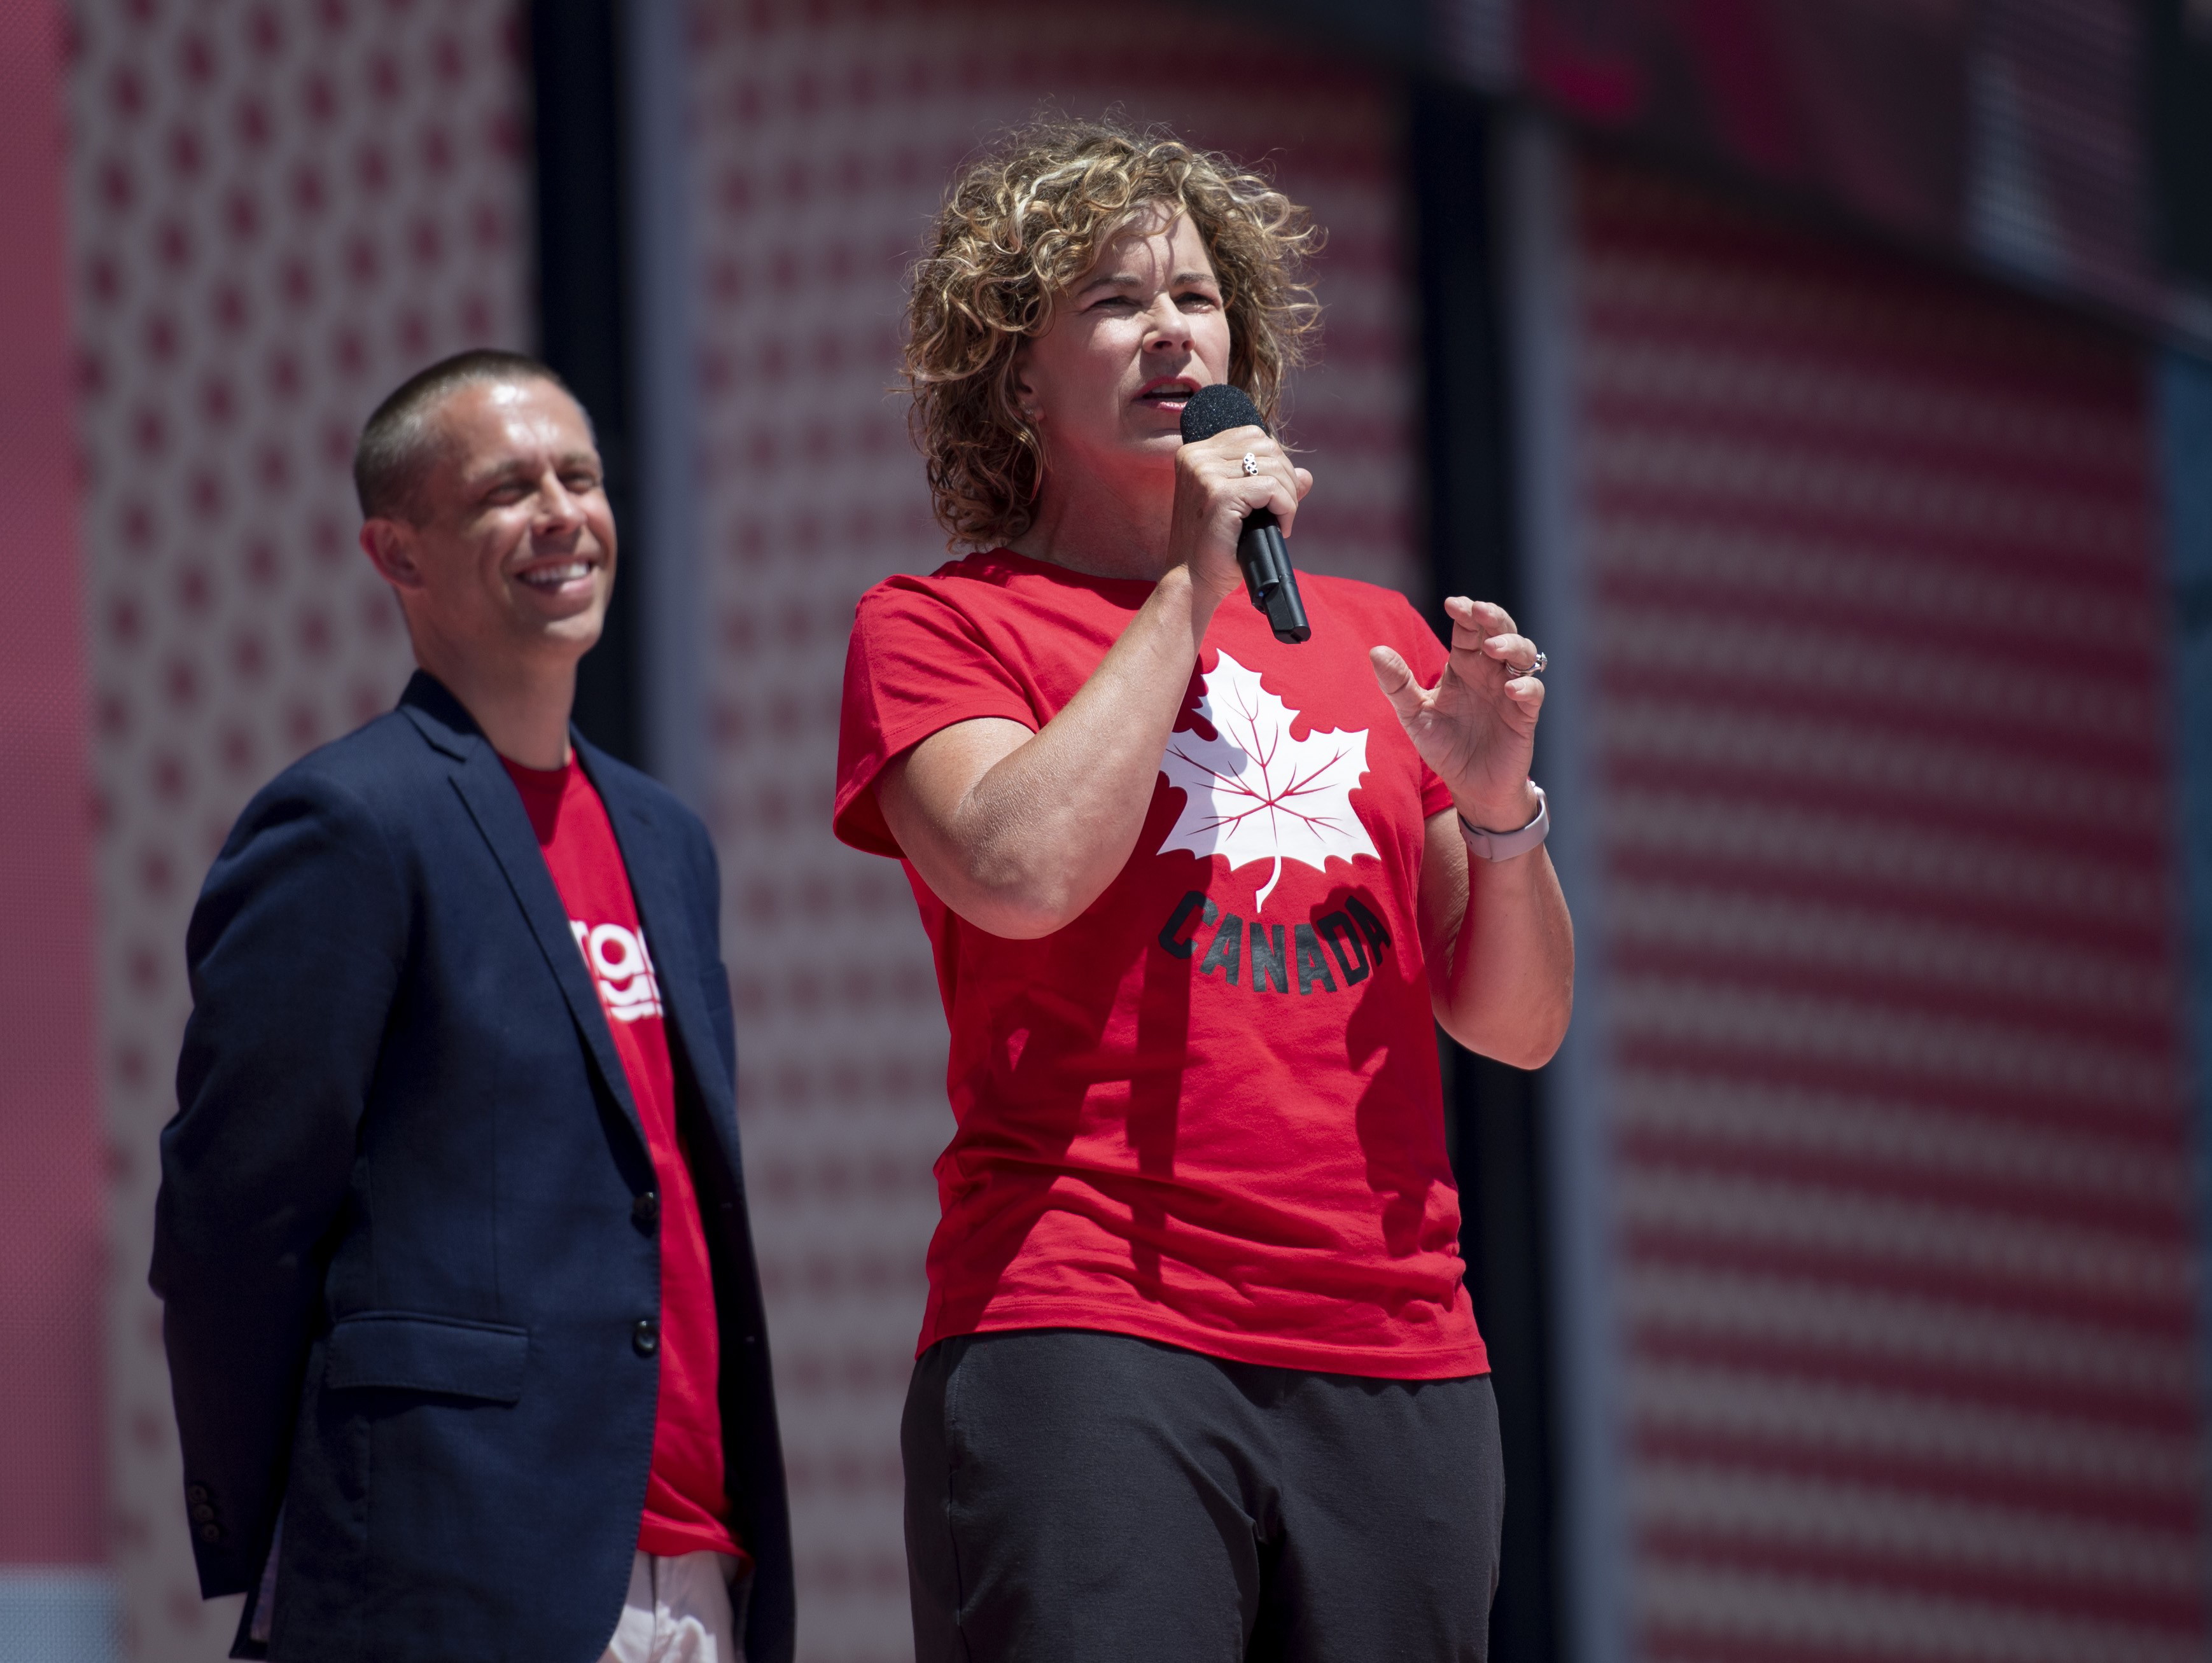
x=1254, y=793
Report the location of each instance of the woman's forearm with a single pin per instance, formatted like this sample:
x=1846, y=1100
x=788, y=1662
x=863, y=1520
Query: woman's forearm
x=1508, y=988
x=1018, y=832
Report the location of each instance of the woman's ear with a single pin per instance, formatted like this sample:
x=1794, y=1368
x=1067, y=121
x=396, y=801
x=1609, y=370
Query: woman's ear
x=1025, y=396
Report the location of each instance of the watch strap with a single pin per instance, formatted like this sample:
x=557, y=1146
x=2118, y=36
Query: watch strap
x=1504, y=846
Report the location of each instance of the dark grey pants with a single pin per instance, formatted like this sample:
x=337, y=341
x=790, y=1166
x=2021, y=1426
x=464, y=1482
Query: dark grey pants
x=1074, y=1497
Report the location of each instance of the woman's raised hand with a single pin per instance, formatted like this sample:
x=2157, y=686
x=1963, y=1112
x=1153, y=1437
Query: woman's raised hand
x=1214, y=493
x=1477, y=726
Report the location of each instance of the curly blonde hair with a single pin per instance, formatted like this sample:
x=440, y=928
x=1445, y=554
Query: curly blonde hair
x=1021, y=224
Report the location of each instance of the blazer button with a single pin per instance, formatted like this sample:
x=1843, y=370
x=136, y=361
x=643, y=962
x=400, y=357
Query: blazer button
x=645, y=1211
x=645, y=1338
x=195, y=1493
x=202, y=1513
x=210, y=1533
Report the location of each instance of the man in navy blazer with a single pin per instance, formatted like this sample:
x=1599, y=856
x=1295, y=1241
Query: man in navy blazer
x=419, y=1235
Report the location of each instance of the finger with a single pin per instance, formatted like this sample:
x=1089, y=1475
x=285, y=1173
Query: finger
x=1516, y=652
x=1396, y=679
x=1223, y=457
x=1227, y=488
x=1229, y=448
x=1279, y=489
x=1474, y=622
x=1233, y=442
x=1495, y=620
x=1291, y=485
x=1527, y=694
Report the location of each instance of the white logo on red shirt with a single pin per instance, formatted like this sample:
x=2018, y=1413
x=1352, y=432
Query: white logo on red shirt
x=622, y=967
x=1253, y=792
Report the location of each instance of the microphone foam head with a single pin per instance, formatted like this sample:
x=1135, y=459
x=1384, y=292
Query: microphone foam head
x=1216, y=410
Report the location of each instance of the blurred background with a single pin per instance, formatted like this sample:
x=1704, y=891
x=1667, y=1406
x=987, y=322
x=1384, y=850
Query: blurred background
x=1826, y=383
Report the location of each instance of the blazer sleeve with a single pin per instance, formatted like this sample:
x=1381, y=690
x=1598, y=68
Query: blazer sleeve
x=295, y=950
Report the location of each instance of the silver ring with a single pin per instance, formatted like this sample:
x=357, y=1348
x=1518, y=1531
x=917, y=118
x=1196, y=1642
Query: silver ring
x=1251, y=465
x=1537, y=668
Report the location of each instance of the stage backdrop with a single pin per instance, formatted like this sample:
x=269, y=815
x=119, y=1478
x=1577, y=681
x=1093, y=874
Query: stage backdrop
x=278, y=211
x=825, y=134
x=1896, y=1166
x=54, y=1592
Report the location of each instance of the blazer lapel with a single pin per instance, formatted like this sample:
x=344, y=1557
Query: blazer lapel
x=496, y=807
x=661, y=909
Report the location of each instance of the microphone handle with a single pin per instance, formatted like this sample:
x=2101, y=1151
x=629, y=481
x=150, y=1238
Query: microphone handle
x=1269, y=579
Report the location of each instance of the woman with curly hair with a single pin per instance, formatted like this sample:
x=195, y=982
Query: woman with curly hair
x=1198, y=1376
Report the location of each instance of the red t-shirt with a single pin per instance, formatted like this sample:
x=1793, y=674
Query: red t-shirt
x=687, y=1509
x=1207, y=1112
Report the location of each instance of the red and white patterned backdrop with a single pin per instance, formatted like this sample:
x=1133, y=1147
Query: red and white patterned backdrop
x=278, y=211
x=52, y=1178
x=825, y=134
x=1906, y=1261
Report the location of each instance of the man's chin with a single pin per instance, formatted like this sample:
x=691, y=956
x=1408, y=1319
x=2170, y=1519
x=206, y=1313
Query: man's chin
x=569, y=637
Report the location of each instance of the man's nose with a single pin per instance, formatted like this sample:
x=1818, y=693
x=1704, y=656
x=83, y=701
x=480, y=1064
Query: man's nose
x=558, y=510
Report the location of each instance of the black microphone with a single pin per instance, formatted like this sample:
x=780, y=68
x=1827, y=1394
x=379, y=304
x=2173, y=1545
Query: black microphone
x=1260, y=555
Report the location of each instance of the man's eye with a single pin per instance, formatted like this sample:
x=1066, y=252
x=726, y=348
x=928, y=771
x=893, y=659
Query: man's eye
x=582, y=482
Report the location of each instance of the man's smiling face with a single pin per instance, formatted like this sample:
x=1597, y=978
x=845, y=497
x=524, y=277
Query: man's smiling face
x=512, y=538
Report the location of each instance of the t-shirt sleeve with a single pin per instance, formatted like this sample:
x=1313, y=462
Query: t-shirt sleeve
x=916, y=664
x=1418, y=644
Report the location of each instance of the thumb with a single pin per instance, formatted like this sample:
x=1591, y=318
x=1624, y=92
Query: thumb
x=1396, y=680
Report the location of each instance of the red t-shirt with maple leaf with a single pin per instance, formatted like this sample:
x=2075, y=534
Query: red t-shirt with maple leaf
x=1208, y=1111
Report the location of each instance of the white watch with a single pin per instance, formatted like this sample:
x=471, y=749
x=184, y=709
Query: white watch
x=1504, y=845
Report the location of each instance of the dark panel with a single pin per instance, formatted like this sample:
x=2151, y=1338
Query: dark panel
x=1466, y=451
x=582, y=310
x=1862, y=104
x=2180, y=56
x=1497, y=1125
x=1398, y=29
x=1501, y=1171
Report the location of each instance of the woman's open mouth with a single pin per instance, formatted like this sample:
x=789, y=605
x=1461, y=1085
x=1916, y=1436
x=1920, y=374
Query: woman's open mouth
x=1169, y=395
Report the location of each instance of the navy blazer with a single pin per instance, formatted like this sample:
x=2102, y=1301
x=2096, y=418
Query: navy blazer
x=406, y=1264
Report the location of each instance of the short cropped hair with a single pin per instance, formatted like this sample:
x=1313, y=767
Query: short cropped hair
x=398, y=446
x=1018, y=227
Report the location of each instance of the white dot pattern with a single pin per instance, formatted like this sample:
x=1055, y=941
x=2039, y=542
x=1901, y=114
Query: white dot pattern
x=278, y=212
x=1906, y=1259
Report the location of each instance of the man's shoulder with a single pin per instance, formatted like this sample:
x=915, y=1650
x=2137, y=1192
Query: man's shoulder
x=620, y=785
x=379, y=782
x=364, y=765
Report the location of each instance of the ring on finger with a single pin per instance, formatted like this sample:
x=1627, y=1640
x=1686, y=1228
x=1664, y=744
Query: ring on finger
x=1251, y=465
x=1535, y=668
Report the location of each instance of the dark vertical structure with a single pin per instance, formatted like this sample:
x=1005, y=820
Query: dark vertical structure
x=1499, y=1141
x=2184, y=397
x=583, y=310
x=1396, y=31
x=2179, y=61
